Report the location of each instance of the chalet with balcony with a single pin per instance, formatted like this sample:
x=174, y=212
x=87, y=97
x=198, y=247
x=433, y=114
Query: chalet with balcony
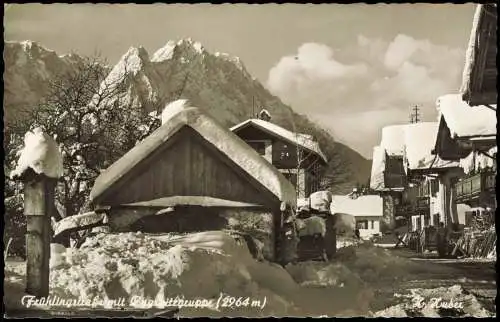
x=296, y=155
x=468, y=134
x=467, y=123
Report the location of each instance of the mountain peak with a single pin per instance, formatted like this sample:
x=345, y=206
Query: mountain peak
x=30, y=47
x=133, y=60
x=164, y=53
x=167, y=51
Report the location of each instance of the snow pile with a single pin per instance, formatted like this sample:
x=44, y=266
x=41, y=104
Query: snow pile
x=436, y=302
x=377, y=181
x=345, y=223
x=40, y=153
x=197, y=266
x=393, y=139
x=365, y=205
x=320, y=274
x=464, y=120
x=321, y=200
x=173, y=108
x=311, y=226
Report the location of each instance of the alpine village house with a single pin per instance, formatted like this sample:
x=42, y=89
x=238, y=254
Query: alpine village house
x=296, y=155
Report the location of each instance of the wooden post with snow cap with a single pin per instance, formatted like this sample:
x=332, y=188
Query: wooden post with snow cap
x=39, y=166
x=38, y=208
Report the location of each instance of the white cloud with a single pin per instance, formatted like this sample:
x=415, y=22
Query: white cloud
x=366, y=82
x=313, y=63
x=399, y=51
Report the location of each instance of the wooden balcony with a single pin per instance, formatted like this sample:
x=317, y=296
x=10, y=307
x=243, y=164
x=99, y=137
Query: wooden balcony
x=422, y=204
x=474, y=186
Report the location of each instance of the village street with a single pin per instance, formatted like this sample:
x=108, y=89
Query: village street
x=476, y=276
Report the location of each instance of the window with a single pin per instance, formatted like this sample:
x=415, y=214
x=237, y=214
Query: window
x=260, y=147
x=362, y=224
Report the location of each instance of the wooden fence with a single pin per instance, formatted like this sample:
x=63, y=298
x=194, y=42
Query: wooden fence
x=477, y=244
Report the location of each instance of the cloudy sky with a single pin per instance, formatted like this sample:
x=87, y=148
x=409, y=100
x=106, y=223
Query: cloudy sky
x=353, y=68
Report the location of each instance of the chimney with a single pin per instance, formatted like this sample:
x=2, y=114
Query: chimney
x=264, y=115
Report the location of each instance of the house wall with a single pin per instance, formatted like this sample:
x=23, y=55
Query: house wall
x=257, y=223
x=267, y=153
x=373, y=224
x=299, y=180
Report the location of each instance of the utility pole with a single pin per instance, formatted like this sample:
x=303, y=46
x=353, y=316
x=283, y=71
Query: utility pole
x=253, y=107
x=414, y=114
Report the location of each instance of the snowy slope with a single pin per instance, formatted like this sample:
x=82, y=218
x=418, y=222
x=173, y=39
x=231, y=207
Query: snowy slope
x=29, y=67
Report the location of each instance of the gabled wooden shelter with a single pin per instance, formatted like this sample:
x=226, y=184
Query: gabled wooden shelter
x=193, y=174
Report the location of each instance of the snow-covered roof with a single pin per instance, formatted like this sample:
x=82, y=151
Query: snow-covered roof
x=464, y=120
x=480, y=70
x=302, y=140
x=420, y=139
x=378, y=168
x=393, y=139
x=225, y=141
x=365, y=205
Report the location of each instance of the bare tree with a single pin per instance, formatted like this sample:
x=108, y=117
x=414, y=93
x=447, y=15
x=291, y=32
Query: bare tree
x=94, y=124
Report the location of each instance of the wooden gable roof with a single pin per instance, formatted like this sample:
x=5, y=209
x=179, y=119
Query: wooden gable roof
x=192, y=122
x=480, y=72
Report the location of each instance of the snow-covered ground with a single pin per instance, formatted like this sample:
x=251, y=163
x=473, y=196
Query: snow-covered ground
x=202, y=265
